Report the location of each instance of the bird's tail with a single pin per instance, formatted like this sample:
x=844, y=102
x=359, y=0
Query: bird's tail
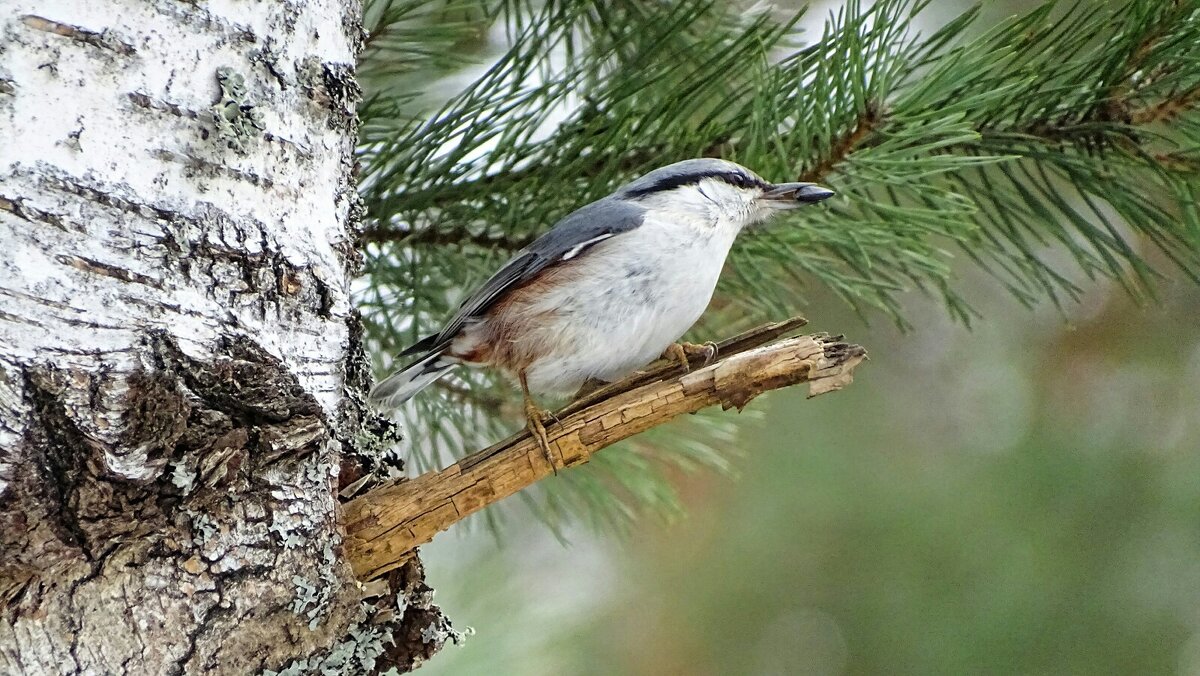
x=403, y=384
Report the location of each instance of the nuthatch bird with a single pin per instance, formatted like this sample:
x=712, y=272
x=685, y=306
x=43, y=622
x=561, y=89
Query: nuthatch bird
x=610, y=288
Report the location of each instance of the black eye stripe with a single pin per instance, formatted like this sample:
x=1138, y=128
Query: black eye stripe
x=734, y=178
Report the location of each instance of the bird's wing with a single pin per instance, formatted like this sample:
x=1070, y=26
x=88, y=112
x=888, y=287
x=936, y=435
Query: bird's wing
x=568, y=239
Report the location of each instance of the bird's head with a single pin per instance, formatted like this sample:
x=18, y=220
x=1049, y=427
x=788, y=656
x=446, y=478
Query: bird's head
x=709, y=188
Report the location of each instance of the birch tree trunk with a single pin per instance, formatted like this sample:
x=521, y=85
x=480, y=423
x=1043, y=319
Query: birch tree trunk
x=180, y=368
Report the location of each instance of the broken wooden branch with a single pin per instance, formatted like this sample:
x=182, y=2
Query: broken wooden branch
x=385, y=525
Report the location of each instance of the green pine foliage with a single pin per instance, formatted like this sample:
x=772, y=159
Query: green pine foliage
x=1057, y=146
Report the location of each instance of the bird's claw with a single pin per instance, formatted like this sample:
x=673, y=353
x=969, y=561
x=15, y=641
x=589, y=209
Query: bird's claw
x=535, y=423
x=707, y=351
x=683, y=353
x=676, y=353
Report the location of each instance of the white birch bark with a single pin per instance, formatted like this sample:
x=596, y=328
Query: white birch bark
x=179, y=362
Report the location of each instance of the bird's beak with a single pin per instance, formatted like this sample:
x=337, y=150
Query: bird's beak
x=791, y=195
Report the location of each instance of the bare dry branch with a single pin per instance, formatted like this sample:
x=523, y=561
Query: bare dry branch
x=385, y=526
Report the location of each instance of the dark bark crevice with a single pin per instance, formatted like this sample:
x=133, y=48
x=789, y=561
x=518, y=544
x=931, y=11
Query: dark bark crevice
x=214, y=518
x=187, y=376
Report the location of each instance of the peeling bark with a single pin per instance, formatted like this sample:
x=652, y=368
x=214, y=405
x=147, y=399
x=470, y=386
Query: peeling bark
x=180, y=368
x=386, y=525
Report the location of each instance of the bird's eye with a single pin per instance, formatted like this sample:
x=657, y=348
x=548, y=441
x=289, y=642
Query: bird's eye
x=738, y=180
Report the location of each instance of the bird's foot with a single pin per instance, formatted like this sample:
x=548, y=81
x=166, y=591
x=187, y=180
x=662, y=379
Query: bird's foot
x=675, y=353
x=535, y=422
x=706, y=351
x=684, y=353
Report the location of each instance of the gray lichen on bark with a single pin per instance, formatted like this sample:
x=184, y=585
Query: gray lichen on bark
x=181, y=372
x=238, y=122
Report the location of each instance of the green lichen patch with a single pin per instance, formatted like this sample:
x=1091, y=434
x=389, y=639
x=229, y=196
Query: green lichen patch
x=237, y=121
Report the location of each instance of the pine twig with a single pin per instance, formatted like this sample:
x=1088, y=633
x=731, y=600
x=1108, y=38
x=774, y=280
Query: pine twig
x=437, y=238
x=1167, y=109
x=385, y=526
x=867, y=122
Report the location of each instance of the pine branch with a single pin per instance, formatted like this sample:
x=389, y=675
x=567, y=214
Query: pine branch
x=375, y=235
x=1168, y=109
x=384, y=526
x=867, y=122
x=1072, y=129
x=468, y=190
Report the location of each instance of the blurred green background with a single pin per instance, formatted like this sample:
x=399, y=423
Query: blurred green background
x=1021, y=497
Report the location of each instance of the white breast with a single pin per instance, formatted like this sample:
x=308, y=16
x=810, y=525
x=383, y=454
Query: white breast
x=640, y=292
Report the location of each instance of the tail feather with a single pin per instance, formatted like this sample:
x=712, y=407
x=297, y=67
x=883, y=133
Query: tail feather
x=403, y=384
